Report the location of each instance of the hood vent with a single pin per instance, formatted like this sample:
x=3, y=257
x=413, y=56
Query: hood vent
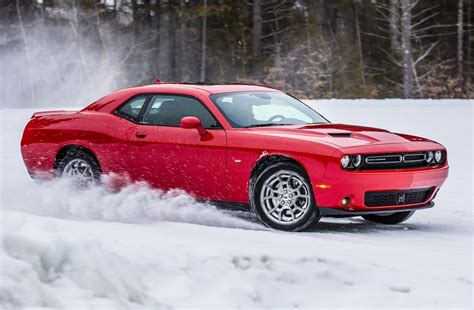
x=340, y=134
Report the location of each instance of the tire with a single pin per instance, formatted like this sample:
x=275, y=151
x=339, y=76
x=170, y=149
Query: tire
x=392, y=219
x=87, y=170
x=270, y=199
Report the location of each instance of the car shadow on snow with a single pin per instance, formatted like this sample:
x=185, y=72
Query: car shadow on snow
x=358, y=225
x=352, y=225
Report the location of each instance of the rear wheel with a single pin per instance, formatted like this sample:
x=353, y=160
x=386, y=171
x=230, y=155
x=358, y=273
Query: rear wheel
x=282, y=198
x=80, y=167
x=389, y=219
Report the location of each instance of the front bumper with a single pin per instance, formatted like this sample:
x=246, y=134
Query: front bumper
x=337, y=184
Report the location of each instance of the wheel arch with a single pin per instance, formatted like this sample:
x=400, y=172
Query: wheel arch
x=270, y=159
x=63, y=151
x=260, y=166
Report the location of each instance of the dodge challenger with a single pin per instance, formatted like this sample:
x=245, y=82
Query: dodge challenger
x=247, y=145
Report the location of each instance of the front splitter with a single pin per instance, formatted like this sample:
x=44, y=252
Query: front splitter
x=333, y=212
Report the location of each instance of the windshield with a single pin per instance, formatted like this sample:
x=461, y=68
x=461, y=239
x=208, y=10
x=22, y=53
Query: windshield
x=261, y=108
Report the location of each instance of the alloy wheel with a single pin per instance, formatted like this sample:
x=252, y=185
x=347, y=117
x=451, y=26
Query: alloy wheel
x=80, y=172
x=285, y=197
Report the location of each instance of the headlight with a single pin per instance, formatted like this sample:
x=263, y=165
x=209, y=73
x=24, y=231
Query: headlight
x=429, y=157
x=356, y=160
x=438, y=156
x=351, y=161
x=345, y=161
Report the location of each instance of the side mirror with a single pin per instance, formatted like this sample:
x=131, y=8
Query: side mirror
x=192, y=122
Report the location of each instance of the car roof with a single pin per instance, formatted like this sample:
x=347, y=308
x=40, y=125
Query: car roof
x=110, y=102
x=208, y=88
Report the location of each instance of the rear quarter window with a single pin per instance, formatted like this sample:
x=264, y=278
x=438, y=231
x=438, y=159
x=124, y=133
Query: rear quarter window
x=132, y=108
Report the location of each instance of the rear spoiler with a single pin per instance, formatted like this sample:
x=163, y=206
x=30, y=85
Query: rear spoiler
x=48, y=113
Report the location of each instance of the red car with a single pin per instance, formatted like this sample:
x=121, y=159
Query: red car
x=249, y=145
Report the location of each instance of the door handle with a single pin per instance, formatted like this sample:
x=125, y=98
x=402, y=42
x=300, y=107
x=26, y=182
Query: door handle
x=140, y=135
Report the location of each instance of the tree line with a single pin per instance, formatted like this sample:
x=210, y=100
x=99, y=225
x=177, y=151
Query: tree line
x=311, y=48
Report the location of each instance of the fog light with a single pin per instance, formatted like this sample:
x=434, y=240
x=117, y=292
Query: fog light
x=346, y=201
x=438, y=156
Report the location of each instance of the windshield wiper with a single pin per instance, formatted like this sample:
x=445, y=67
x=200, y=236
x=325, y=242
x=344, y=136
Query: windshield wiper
x=319, y=123
x=267, y=125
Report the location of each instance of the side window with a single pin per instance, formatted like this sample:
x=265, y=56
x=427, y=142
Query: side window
x=168, y=110
x=132, y=108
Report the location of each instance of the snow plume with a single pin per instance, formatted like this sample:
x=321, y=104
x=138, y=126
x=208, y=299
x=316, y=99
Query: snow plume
x=132, y=203
x=56, y=67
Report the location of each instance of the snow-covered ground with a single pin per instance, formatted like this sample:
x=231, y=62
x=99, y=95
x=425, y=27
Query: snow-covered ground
x=143, y=248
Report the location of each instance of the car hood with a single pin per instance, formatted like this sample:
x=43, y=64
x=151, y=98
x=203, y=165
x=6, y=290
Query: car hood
x=340, y=135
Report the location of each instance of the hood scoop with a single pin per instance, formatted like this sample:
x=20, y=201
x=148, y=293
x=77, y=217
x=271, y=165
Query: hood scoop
x=340, y=134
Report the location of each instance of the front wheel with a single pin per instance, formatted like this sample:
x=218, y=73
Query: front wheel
x=389, y=219
x=281, y=196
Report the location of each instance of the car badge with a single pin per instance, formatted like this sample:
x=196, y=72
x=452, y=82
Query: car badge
x=401, y=198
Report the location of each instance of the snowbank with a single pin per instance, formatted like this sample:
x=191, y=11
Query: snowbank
x=143, y=248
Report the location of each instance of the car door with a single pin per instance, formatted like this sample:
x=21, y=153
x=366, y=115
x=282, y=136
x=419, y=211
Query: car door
x=170, y=157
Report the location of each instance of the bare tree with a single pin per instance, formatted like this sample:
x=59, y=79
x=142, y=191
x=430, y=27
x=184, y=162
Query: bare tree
x=407, y=56
x=359, y=39
x=471, y=40
x=394, y=20
x=203, y=42
x=183, y=72
x=256, y=28
x=172, y=31
x=165, y=54
x=411, y=28
x=460, y=52
x=147, y=7
x=135, y=17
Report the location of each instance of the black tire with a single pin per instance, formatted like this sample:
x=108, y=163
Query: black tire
x=82, y=155
x=392, y=219
x=311, y=217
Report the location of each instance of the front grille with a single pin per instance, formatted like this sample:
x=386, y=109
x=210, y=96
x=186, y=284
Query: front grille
x=396, y=161
x=397, y=198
